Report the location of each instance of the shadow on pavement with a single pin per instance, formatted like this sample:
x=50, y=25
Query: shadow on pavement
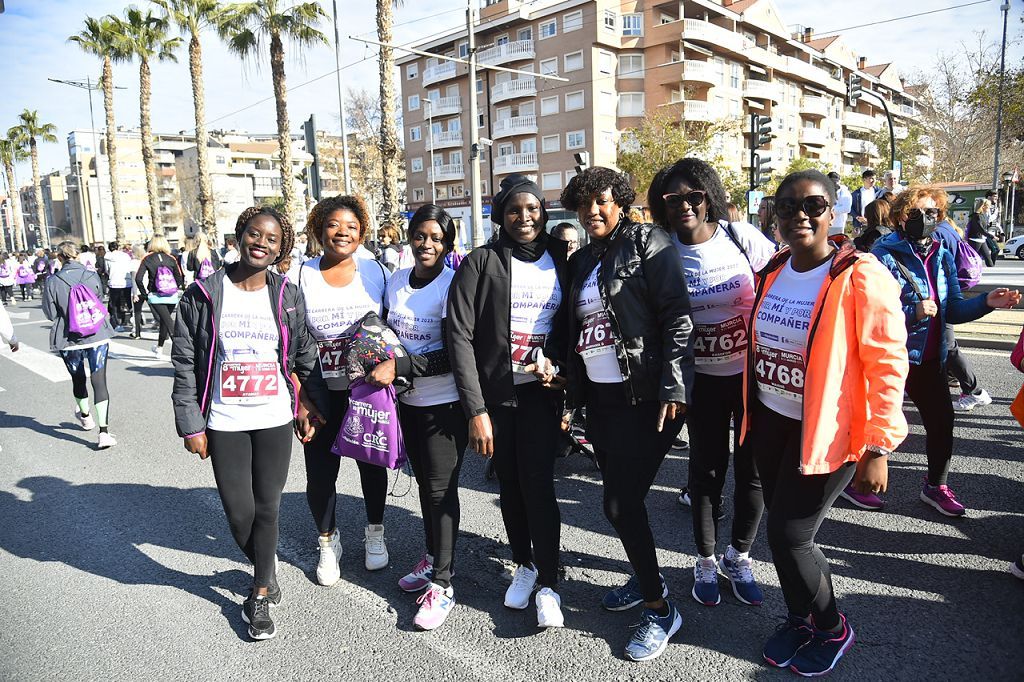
x=58, y=431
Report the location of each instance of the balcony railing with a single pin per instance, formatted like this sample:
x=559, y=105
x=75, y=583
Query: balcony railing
x=762, y=90
x=700, y=72
x=445, y=139
x=816, y=107
x=705, y=32
x=813, y=137
x=695, y=110
x=516, y=50
x=443, y=106
x=448, y=171
x=517, y=125
x=859, y=147
x=815, y=74
x=433, y=74
x=512, y=163
x=525, y=86
x=861, y=122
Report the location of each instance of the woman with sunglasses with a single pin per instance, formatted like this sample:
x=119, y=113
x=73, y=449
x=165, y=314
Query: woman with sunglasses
x=822, y=397
x=633, y=370
x=719, y=260
x=931, y=298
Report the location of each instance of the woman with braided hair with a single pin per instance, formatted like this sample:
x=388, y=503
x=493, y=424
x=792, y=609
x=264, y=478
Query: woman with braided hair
x=241, y=355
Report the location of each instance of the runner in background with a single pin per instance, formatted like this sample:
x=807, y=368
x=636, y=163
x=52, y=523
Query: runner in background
x=160, y=277
x=119, y=285
x=7, y=267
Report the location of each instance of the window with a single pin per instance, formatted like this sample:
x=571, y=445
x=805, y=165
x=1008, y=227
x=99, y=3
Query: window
x=548, y=29
x=550, y=143
x=574, y=100
x=457, y=191
x=549, y=67
x=633, y=25
x=438, y=160
x=483, y=187
x=463, y=50
x=576, y=139
x=479, y=86
x=502, y=40
x=479, y=120
x=548, y=106
x=551, y=181
x=631, y=66
x=415, y=135
x=631, y=104
x=442, y=193
x=570, y=174
x=417, y=194
x=606, y=62
x=454, y=124
x=412, y=71
x=573, y=21
x=502, y=113
x=610, y=20
x=607, y=101
x=735, y=75
x=527, y=109
x=455, y=158
x=416, y=164
x=506, y=149
x=414, y=102
x=528, y=146
x=573, y=61
x=525, y=33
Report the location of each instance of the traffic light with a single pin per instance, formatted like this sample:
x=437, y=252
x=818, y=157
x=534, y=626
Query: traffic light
x=854, y=90
x=762, y=170
x=582, y=161
x=761, y=131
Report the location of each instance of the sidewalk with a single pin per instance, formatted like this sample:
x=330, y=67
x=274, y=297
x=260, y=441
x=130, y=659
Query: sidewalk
x=998, y=330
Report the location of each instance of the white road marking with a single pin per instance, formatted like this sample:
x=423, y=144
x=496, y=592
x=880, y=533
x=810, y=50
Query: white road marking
x=18, y=316
x=990, y=353
x=133, y=355
x=46, y=365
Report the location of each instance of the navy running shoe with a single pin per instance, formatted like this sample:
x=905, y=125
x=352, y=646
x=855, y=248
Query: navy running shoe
x=788, y=639
x=741, y=576
x=705, y=582
x=820, y=655
x=652, y=634
x=629, y=595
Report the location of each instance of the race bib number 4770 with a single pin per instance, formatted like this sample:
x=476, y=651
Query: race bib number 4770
x=780, y=372
x=526, y=349
x=248, y=383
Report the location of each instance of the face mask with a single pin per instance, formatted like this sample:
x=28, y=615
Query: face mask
x=920, y=225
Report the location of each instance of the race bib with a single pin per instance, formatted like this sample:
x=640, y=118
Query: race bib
x=332, y=357
x=248, y=383
x=720, y=342
x=595, y=335
x=526, y=349
x=780, y=372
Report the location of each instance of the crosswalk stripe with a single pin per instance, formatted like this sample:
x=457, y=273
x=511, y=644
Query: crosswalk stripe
x=46, y=365
x=133, y=355
x=18, y=316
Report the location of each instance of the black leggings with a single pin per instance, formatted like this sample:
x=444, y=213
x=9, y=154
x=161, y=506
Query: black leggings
x=797, y=504
x=164, y=313
x=322, y=467
x=7, y=293
x=251, y=468
x=435, y=440
x=75, y=361
x=26, y=291
x=137, y=315
x=120, y=301
x=929, y=390
x=525, y=445
x=957, y=365
x=717, y=400
x=630, y=451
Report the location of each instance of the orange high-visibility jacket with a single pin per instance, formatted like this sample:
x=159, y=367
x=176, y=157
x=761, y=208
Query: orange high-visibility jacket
x=855, y=362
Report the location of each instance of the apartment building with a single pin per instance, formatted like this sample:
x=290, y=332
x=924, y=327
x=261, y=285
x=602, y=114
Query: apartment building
x=701, y=60
x=54, y=207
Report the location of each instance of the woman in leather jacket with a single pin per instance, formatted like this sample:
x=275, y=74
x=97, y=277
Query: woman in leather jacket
x=631, y=366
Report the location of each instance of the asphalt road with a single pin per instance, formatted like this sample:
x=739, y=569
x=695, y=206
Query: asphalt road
x=1007, y=272
x=120, y=564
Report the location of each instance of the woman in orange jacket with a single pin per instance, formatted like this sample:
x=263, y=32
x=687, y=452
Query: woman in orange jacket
x=823, y=393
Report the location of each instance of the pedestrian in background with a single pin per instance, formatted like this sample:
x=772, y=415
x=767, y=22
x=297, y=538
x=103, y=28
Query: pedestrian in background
x=878, y=225
x=978, y=234
x=160, y=277
x=390, y=247
x=568, y=233
x=119, y=283
x=844, y=204
x=861, y=198
x=7, y=267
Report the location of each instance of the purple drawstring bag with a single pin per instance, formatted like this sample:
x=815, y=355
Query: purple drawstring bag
x=370, y=431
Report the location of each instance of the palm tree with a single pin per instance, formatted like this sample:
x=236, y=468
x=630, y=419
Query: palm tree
x=247, y=28
x=192, y=17
x=11, y=151
x=145, y=36
x=389, y=149
x=29, y=132
x=100, y=39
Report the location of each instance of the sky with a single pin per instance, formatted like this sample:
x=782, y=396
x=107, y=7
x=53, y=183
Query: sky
x=34, y=47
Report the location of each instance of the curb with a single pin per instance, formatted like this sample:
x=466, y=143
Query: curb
x=986, y=343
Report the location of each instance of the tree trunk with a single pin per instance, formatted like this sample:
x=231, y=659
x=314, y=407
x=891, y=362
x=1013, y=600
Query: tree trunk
x=115, y=193
x=284, y=138
x=145, y=92
x=44, y=234
x=18, y=227
x=388, y=129
x=206, y=208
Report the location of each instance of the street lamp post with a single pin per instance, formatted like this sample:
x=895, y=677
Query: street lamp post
x=430, y=144
x=341, y=103
x=1005, y=8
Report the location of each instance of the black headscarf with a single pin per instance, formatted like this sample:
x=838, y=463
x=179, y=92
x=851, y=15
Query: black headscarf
x=512, y=185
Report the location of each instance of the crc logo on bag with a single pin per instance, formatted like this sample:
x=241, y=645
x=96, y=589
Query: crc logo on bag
x=363, y=425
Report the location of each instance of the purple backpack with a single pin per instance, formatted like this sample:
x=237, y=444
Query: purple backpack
x=205, y=269
x=370, y=431
x=5, y=271
x=969, y=264
x=166, y=284
x=86, y=312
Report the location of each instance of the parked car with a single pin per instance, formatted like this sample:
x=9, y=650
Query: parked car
x=1014, y=247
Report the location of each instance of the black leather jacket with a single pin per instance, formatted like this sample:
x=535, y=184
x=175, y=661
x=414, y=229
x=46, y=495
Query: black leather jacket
x=644, y=291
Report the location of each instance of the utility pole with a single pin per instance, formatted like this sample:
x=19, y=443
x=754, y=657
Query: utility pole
x=430, y=144
x=476, y=209
x=1005, y=8
x=341, y=103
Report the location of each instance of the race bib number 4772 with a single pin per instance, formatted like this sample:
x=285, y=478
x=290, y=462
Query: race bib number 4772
x=780, y=372
x=248, y=383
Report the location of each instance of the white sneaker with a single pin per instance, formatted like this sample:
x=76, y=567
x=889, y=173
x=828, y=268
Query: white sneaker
x=106, y=441
x=328, y=571
x=376, y=549
x=549, y=609
x=85, y=420
x=158, y=351
x=517, y=596
x=968, y=401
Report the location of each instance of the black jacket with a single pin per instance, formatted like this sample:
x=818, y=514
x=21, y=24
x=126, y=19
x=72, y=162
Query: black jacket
x=644, y=291
x=149, y=266
x=479, y=325
x=194, y=351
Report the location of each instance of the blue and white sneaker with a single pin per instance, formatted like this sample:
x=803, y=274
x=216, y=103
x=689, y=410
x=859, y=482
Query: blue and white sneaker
x=741, y=576
x=705, y=582
x=629, y=595
x=652, y=634
x=822, y=653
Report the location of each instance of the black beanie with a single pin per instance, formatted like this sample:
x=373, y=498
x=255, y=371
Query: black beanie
x=514, y=184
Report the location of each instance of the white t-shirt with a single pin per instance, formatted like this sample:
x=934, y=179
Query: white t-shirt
x=249, y=392
x=783, y=322
x=536, y=296
x=415, y=315
x=720, y=281
x=595, y=344
x=331, y=311
x=230, y=256
x=119, y=269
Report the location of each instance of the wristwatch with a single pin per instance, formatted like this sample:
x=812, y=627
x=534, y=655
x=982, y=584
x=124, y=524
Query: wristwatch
x=878, y=450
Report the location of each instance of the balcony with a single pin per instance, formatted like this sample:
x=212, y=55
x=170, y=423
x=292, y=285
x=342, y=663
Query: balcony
x=813, y=137
x=449, y=171
x=901, y=132
x=517, y=125
x=443, y=106
x=695, y=110
x=435, y=74
x=861, y=122
x=700, y=72
x=705, y=32
x=814, y=107
x=815, y=74
x=859, y=147
x=766, y=90
x=766, y=58
x=516, y=163
x=515, y=51
x=445, y=139
x=524, y=86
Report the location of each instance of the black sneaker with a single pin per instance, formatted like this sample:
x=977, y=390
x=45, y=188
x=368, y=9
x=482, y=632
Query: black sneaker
x=256, y=612
x=821, y=654
x=274, y=592
x=789, y=638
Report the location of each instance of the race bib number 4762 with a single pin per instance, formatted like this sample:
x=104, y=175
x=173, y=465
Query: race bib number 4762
x=720, y=342
x=780, y=372
x=248, y=383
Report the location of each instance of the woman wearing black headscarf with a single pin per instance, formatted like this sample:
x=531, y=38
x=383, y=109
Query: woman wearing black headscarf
x=506, y=340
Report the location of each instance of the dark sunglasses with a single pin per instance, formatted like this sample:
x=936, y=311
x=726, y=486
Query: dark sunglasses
x=812, y=206
x=915, y=213
x=693, y=198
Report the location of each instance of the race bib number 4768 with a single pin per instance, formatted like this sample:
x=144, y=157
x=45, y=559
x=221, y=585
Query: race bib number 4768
x=780, y=372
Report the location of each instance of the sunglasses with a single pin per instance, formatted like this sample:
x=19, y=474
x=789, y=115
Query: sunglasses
x=812, y=206
x=915, y=213
x=693, y=198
